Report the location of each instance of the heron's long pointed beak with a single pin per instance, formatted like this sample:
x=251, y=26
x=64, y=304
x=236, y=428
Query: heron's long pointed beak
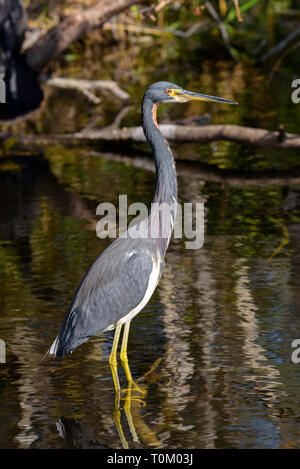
x=191, y=96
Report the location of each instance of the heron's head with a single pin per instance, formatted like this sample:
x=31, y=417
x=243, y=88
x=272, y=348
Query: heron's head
x=166, y=92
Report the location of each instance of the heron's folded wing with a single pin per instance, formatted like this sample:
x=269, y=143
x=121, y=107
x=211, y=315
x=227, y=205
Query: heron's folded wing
x=114, y=285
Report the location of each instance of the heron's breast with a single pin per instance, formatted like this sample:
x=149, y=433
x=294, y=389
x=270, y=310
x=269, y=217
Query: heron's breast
x=152, y=284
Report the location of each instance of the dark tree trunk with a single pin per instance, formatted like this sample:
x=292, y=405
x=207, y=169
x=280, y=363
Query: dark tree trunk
x=22, y=91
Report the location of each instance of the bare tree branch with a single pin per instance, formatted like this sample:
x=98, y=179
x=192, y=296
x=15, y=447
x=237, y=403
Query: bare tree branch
x=281, y=45
x=237, y=9
x=200, y=134
x=55, y=41
x=211, y=9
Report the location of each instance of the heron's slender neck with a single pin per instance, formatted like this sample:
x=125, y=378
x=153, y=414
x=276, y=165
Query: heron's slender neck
x=166, y=181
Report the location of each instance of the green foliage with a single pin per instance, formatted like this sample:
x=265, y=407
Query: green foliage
x=244, y=7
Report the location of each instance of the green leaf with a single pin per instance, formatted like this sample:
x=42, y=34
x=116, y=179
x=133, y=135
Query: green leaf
x=243, y=8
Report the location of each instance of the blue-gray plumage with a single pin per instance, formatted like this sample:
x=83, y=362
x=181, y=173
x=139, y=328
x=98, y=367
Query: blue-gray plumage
x=113, y=286
x=122, y=279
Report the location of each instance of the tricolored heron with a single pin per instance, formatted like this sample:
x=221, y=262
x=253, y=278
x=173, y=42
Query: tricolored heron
x=122, y=279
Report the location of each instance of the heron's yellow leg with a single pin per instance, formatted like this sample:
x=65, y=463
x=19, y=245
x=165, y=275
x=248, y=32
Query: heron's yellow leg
x=113, y=358
x=117, y=421
x=123, y=354
x=127, y=408
x=124, y=360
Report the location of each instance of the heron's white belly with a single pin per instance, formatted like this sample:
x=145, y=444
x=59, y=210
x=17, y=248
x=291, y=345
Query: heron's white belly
x=153, y=281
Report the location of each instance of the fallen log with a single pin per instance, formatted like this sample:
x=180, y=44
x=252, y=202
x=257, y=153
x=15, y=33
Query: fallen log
x=177, y=133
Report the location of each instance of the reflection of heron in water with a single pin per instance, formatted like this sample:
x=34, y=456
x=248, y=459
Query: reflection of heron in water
x=132, y=429
x=23, y=93
x=122, y=279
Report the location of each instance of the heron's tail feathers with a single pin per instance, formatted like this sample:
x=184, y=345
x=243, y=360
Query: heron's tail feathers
x=68, y=338
x=59, y=349
x=53, y=349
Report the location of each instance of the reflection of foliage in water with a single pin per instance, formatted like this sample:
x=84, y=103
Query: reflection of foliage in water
x=219, y=321
x=59, y=248
x=252, y=214
x=16, y=298
x=92, y=176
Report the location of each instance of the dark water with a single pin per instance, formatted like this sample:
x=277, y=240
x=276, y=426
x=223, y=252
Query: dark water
x=218, y=329
x=211, y=350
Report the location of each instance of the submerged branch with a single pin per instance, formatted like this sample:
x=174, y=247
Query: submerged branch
x=195, y=170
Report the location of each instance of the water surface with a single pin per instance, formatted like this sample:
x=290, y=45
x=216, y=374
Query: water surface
x=212, y=349
x=215, y=337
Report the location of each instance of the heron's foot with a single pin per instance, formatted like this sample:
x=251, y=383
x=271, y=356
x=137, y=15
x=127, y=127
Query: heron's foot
x=131, y=384
x=140, y=390
x=129, y=400
x=134, y=388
